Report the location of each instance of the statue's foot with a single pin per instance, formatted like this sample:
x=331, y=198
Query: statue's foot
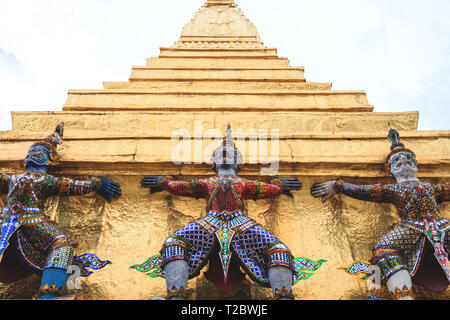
x=77, y=296
x=404, y=294
x=383, y=293
x=172, y=298
x=283, y=294
x=285, y=298
x=177, y=294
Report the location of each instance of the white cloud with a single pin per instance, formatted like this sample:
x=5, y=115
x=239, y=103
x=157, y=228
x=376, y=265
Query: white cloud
x=398, y=51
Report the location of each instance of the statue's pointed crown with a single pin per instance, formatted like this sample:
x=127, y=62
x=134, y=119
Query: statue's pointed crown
x=55, y=139
x=396, y=144
x=52, y=142
x=394, y=136
x=228, y=139
x=228, y=142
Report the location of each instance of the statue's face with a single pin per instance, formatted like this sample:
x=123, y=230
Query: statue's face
x=38, y=155
x=226, y=158
x=403, y=164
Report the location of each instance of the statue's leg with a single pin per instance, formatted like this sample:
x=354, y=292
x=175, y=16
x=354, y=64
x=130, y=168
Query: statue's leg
x=268, y=258
x=401, y=279
x=176, y=268
x=389, y=257
x=52, y=283
x=177, y=275
x=183, y=252
x=281, y=282
x=280, y=274
x=58, y=250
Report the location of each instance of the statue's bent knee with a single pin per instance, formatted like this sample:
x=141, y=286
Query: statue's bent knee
x=174, y=249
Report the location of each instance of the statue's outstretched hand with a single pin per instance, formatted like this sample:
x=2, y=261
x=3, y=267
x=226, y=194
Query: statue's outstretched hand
x=290, y=184
x=152, y=182
x=109, y=189
x=324, y=190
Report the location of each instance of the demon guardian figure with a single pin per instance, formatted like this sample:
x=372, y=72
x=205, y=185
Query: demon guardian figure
x=29, y=241
x=226, y=237
x=416, y=249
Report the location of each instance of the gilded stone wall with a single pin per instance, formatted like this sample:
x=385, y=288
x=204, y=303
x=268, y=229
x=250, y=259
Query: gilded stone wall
x=131, y=229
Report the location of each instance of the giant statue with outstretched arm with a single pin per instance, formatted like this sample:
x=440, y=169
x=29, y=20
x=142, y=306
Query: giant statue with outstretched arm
x=226, y=237
x=415, y=250
x=29, y=242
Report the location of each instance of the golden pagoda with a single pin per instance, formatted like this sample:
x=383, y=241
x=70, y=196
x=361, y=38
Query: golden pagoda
x=220, y=72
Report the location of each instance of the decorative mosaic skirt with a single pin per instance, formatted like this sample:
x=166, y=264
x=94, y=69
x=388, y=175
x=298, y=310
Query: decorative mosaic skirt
x=44, y=246
x=409, y=246
x=39, y=246
x=235, y=238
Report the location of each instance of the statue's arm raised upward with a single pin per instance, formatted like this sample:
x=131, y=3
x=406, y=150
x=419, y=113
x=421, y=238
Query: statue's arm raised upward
x=374, y=193
x=195, y=188
x=260, y=190
x=442, y=192
x=4, y=183
x=69, y=187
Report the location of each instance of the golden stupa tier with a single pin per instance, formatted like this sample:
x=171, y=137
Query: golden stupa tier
x=218, y=64
x=313, y=144
x=218, y=79
x=220, y=24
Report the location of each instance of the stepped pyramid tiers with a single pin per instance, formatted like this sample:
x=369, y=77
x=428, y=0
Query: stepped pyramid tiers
x=220, y=72
x=219, y=64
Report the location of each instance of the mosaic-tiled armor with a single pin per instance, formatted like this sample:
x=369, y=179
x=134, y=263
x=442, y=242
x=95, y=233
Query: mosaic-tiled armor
x=420, y=243
x=226, y=237
x=29, y=241
x=422, y=229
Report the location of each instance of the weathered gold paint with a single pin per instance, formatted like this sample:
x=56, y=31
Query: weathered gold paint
x=124, y=132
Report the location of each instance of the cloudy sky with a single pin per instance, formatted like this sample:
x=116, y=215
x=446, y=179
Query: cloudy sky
x=398, y=51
